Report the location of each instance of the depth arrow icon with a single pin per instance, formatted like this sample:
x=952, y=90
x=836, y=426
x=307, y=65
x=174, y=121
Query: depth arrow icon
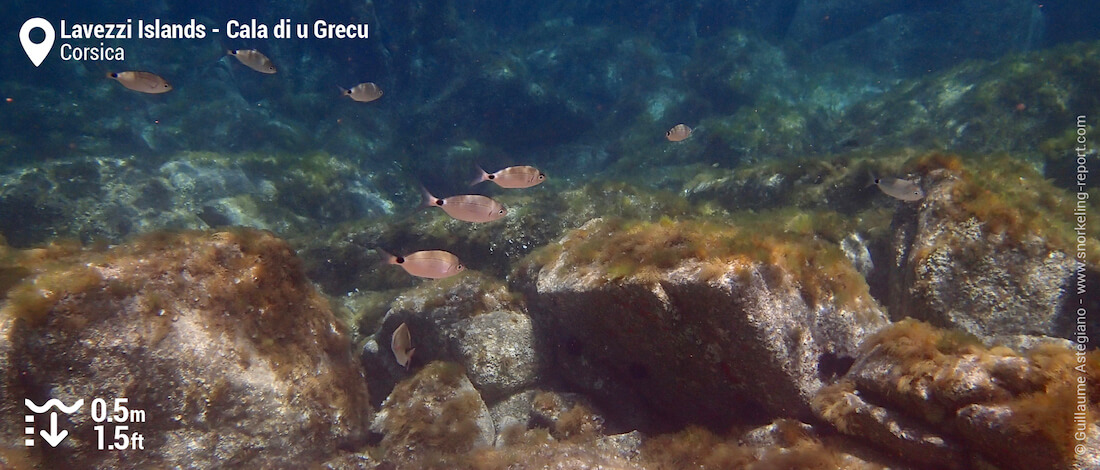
x=53, y=438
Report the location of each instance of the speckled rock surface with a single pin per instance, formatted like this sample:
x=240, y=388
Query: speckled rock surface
x=433, y=413
x=470, y=319
x=718, y=341
x=219, y=338
x=953, y=268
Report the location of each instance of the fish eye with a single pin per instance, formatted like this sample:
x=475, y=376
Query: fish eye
x=400, y=259
x=542, y=176
x=501, y=211
x=439, y=202
x=492, y=177
x=460, y=267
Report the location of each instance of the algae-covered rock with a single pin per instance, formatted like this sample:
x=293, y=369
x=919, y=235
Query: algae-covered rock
x=432, y=416
x=696, y=322
x=470, y=319
x=782, y=444
x=918, y=391
x=219, y=338
x=987, y=251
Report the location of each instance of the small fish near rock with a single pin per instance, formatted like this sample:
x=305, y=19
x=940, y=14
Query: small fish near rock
x=363, y=92
x=254, y=59
x=467, y=207
x=400, y=344
x=678, y=133
x=432, y=264
x=513, y=177
x=904, y=190
x=144, y=82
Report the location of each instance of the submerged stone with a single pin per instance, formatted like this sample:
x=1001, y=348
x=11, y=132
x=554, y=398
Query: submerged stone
x=219, y=338
x=692, y=322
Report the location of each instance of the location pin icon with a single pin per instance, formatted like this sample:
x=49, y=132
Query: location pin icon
x=37, y=52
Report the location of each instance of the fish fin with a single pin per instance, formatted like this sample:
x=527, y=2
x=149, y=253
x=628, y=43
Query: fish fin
x=481, y=177
x=387, y=257
x=426, y=198
x=871, y=179
x=409, y=358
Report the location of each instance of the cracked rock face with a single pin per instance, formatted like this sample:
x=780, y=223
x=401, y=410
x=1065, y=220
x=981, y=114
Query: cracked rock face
x=950, y=269
x=219, y=338
x=714, y=341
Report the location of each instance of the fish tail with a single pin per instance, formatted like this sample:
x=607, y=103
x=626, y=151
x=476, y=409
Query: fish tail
x=481, y=177
x=387, y=257
x=426, y=198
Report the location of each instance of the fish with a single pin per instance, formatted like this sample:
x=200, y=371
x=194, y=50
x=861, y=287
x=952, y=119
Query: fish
x=144, y=82
x=467, y=207
x=254, y=59
x=363, y=92
x=432, y=264
x=399, y=344
x=511, y=177
x=678, y=132
x=904, y=190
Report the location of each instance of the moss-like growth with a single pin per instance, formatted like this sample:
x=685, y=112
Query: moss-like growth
x=695, y=447
x=800, y=244
x=1037, y=388
x=244, y=281
x=1013, y=201
x=430, y=417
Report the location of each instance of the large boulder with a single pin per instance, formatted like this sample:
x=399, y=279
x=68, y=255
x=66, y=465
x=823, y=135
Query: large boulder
x=987, y=252
x=470, y=319
x=696, y=322
x=941, y=397
x=218, y=338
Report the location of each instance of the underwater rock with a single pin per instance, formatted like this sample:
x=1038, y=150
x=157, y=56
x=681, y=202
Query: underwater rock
x=782, y=444
x=219, y=338
x=470, y=319
x=903, y=435
x=431, y=414
x=680, y=322
x=920, y=392
x=106, y=199
x=984, y=252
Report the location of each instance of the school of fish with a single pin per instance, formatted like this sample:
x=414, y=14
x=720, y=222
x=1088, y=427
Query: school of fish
x=474, y=208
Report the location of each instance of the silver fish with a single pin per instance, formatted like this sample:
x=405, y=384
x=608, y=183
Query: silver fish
x=363, y=92
x=432, y=264
x=678, y=132
x=904, y=190
x=512, y=177
x=399, y=344
x=144, y=82
x=467, y=207
x=254, y=59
